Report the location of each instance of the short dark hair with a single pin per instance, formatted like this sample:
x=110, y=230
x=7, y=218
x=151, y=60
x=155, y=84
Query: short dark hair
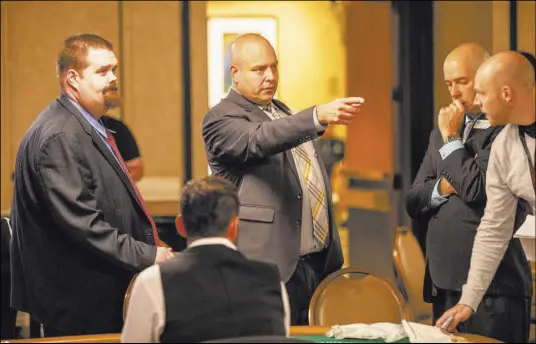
x=74, y=52
x=207, y=206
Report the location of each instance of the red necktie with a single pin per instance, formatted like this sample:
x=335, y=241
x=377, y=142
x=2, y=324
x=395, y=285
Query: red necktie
x=111, y=141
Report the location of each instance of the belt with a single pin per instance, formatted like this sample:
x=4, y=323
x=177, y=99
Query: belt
x=309, y=256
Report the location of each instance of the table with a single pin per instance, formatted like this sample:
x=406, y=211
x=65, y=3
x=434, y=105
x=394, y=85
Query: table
x=312, y=333
x=317, y=334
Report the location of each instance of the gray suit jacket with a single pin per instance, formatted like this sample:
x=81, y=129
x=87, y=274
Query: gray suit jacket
x=79, y=233
x=245, y=146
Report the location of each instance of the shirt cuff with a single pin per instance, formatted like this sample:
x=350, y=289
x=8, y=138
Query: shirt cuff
x=436, y=199
x=471, y=297
x=449, y=148
x=318, y=126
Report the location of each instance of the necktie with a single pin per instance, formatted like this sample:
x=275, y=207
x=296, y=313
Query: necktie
x=315, y=188
x=111, y=141
x=468, y=127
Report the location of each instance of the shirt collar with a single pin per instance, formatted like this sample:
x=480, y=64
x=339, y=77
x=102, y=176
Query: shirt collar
x=213, y=241
x=469, y=118
x=97, y=124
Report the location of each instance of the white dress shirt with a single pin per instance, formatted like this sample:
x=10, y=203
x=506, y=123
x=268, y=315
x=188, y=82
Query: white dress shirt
x=146, y=316
x=507, y=179
x=307, y=242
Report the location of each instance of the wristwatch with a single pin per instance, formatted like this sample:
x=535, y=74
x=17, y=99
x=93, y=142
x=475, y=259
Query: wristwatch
x=453, y=137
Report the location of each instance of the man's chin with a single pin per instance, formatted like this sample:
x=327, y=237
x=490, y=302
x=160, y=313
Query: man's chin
x=112, y=102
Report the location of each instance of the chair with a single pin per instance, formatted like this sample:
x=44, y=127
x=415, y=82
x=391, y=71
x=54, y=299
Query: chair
x=362, y=297
x=410, y=266
x=128, y=293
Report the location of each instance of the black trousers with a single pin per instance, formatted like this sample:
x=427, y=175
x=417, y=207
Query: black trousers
x=8, y=317
x=500, y=317
x=300, y=288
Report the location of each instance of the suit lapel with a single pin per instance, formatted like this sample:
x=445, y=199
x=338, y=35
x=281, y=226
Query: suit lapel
x=101, y=146
x=255, y=113
x=99, y=143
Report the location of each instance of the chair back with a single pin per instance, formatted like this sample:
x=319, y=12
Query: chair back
x=128, y=293
x=410, y=266
x=355, y=295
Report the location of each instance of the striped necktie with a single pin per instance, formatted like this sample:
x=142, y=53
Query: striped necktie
x=315, y=188
x=111, y=140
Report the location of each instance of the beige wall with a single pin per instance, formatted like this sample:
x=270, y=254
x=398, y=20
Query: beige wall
x=150, y=71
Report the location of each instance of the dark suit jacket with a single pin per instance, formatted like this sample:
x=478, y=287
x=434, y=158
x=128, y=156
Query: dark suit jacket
x=245, y=146
x=452, y=226
x=79, y=233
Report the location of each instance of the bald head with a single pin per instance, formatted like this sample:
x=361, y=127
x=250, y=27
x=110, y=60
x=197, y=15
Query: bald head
x=508, y=68
x=254, y=68
x=248, y=46
x=470, y=54
x=459, y=69
x=505, y=86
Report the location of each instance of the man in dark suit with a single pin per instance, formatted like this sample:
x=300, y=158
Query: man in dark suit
x=211, y=290
x=9, y=315
x=449, y=192
x=285, y=199
x=80, y=227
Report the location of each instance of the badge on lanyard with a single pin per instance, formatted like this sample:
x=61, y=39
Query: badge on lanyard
x=481, y=124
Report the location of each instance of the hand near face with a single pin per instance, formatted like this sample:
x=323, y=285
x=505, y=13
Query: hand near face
x=450, y=119
x=339, y=111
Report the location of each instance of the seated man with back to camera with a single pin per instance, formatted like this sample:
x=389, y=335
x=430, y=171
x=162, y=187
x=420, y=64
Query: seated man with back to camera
x=210, y=290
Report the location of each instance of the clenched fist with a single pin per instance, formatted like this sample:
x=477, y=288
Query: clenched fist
x=450, y=119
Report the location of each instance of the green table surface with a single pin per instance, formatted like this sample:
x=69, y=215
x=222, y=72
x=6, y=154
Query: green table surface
x=324, y=339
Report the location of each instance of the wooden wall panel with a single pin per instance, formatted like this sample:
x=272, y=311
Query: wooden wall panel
x=526, y=26
x=369, y=144
x=199, y=83
x=153, y=83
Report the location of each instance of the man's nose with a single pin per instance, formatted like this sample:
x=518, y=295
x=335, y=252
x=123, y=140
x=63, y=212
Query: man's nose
x=269, y=74
x=455, y=93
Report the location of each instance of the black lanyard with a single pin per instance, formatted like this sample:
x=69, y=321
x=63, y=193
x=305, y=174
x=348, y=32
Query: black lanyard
x=527, y=152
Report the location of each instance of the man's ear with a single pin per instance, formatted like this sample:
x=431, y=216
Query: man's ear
x=71, y=78
x=506, y=93
x=180, y=226
x=235, y=73
x=232, y=230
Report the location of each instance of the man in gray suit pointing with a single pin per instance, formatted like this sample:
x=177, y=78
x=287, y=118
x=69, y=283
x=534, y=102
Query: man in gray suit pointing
x=256, y=142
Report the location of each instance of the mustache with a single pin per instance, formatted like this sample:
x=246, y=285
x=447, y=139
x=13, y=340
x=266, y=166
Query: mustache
x=112, y=88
